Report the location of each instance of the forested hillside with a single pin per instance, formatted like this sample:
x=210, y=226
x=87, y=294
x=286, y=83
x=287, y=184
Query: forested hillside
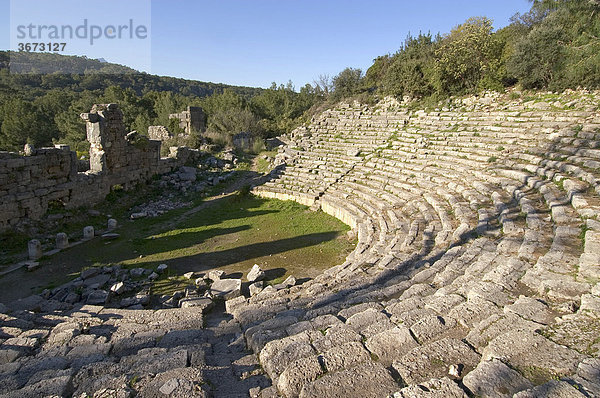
x=40, y=108
x=556, y=45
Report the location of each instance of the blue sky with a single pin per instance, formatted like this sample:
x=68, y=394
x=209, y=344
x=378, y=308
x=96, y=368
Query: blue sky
x=256, y=42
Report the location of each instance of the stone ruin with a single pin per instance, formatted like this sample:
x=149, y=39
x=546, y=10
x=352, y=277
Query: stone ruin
x=159, y=133
x=476, y=273
x=192, y=119
x=28, y=184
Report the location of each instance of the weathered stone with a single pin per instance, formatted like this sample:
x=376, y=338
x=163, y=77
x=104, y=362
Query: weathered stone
x=531, y=309
x=137, y=272
x=440, y=355
x=495, y=379
x=391, y=344
x=298, y=373
x=345, y=356
x=89, y=272
x=289, y=281
x=16, y=347
x=277, y=354
x=529, y=350
x=34, y=248
x=62, y=240
x=31, y=303
x=554, y=389
x=189, y=275
x=256, y=288
x=118, y=288
x=226, y=288
x=434, y=388
x=111, y=224
x=138, y=215
x=215, y=275
x=431, y=327
x=255, y=274
x=96, y=281
x=51, y=387
x=364, y=319
x=204, y=303
x=97, y=297
x=367, y=380
x=88, y=232
x=333, y=337
x=497, y=324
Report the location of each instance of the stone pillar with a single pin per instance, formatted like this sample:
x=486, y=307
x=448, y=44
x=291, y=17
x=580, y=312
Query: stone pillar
x=88, y=232
x=106, y=134
x=34, y=247
x=62, y=240
x=112, y=223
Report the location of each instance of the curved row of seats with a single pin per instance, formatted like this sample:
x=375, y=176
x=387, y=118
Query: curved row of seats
x=478, y=241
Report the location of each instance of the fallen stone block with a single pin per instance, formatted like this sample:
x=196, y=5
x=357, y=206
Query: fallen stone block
x=255, y=274
x=204, y=303
x=226, y=288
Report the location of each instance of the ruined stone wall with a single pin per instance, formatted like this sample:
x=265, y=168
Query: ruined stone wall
x=49, y=176
x=192, y=119
x=159, y=133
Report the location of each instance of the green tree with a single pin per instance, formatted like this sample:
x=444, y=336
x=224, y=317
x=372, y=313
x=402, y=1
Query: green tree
x=22, y=122
x=465, y=56
x=411, y=69
x=346, y=83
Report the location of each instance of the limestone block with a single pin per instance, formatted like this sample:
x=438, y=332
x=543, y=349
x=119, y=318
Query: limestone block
x=62, y=240
x=435, y=360
x=298, y=373
x=391, y=344
x=226, y=288
x=34, y=249
x=162, y=268
x=434, y=388
x=215, y=275
x=88, y=232
x=553, y=388
x=495, y=379
x=256, y=288
x=345, y=356
x=368, y=380
x=523, y=349
x=255, y=274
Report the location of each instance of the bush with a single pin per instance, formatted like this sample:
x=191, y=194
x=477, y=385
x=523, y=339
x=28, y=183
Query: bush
x=257, y=146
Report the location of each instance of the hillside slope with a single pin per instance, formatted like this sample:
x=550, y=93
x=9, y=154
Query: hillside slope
x=51, y=71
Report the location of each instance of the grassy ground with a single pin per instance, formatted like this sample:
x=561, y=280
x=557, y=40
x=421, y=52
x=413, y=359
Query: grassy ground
x=262, y=165
x=231, y=233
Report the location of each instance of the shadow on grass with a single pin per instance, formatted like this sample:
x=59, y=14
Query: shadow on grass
x=216, y=259
x=183, y=240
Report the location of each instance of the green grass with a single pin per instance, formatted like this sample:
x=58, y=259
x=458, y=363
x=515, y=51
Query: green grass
x=231, y=234
x=262, y=165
